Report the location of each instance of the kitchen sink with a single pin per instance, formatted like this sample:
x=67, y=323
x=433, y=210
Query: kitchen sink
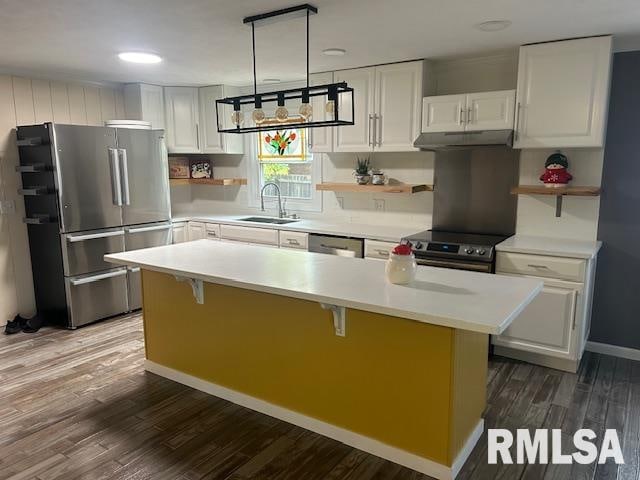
x=276, y=221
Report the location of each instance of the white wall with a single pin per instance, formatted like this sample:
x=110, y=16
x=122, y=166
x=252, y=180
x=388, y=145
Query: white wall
x=25, y=101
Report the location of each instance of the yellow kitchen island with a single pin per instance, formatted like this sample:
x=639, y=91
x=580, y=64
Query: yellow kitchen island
x=324, y=342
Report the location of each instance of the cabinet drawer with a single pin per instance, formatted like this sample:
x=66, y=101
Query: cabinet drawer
x=377, y=249
x=212, y=231
x=294, y=239
x=541, y=266
x=248, y=234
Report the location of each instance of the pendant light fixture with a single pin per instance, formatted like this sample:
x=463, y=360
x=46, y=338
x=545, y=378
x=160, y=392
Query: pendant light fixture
x=335, y=93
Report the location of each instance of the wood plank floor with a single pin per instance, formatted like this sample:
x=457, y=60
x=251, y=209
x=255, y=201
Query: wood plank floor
x=78, y=405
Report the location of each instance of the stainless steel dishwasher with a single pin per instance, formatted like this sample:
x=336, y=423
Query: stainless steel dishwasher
x=342, y=246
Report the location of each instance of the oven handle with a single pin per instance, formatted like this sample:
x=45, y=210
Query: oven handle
x=458, y=265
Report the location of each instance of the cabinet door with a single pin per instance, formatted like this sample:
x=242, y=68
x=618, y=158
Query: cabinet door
x=145, y=102
x=181, y=105
x=179, y=231
x=545, y=325
x=397, y=106
x=357, y=137
x=211, y=138
x=563, y=90
x=444, y=113
x=320, y=139
x=490, y=110
x=197, y=231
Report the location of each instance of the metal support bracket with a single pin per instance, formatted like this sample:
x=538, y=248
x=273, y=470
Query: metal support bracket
x=339, y=318
x=197, y=287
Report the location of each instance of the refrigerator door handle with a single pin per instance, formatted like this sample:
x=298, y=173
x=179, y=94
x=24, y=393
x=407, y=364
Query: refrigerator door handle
x=93, y=236
x=124, y=171
x=148, y=229
x=116, y=190
x=95, y=278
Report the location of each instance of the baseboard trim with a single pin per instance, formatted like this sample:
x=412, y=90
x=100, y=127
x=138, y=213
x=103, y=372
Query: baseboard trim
x=613, y=350
x=356, y=440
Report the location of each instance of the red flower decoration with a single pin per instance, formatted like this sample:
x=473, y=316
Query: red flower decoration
x=402, y=249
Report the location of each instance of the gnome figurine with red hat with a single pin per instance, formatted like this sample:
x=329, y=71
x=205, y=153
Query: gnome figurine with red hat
x=555, y=174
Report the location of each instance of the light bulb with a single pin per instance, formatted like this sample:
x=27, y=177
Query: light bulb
x=330, y=107
x=237, y=118
x=258, y=116
x=282, y=114
x=306, y=111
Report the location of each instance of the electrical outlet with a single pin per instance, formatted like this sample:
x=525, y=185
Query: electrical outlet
x=378, y=204
x=7, y=207
x=340, y=201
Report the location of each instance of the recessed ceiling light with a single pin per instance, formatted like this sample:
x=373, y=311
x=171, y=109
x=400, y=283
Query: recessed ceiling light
x=334, y=52
x=493, y=25
x=139, y=57
x=271, y=80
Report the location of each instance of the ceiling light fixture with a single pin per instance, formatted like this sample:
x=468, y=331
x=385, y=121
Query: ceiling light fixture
x=493, y=25
x=139, y=57
x=334, y=52
x=335, y=93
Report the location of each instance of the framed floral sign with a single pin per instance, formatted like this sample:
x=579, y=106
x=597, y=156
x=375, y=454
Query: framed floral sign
x=282, y=143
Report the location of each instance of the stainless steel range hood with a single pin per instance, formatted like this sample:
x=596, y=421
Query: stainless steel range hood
x=460, y=140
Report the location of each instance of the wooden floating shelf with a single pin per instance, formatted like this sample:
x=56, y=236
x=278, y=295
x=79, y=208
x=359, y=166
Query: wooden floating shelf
x=208, y=181
x=556, y=191
x=370, y=188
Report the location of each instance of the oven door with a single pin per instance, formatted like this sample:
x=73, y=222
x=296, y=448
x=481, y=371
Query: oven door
x=457, y=264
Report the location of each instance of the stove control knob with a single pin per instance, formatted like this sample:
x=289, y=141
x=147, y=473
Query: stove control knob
x=481, y=251
x=469, y=250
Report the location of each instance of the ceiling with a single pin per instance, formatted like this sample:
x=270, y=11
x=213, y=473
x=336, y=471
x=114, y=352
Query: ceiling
x=204, y=41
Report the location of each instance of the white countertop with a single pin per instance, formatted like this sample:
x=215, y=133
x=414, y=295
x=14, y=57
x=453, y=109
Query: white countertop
x=472, y=301
x=374, y=232
x=555, y=247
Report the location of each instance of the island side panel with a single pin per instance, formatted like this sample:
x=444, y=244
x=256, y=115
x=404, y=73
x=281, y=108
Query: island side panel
x=389, y=379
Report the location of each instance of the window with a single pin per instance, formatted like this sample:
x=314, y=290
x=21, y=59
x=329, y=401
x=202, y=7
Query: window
x=282, y=157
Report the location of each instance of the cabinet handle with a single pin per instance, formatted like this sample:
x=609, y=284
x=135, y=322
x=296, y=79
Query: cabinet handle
x=197, y=137
x=379, y=128
x=384, y=253
x=516, y=133
x=541, y=267
x=370, y=129
x=462, y=121
x=470, y=115
x=293, y=241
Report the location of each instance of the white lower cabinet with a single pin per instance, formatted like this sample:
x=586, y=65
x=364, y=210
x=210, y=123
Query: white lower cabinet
x=179, y=231
x=261, y=236
x=377, y=249
x=212, y=231
x=196, y=231
x=552, y=330
x=297, y=240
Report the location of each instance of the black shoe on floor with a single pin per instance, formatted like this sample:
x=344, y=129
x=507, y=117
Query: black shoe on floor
x=16, y=325
x=33, y=324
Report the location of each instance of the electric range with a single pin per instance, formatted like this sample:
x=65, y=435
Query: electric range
x=463, y=251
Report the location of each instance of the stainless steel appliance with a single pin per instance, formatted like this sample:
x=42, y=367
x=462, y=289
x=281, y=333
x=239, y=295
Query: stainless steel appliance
x=453, y=140
x=463, y=251
x=89, y=191
x=342, y=246
x=473, y=208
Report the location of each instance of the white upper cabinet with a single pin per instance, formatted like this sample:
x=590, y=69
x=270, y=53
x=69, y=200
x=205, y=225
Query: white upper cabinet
x=387, y=102
x=468, y=112
x=182, y=117
x=444, y=113
x=563, y=90
x=357, y=137
x=321, y=138
x=397, y=106
x=212, y=140
x=145, y=102
x=490, y=110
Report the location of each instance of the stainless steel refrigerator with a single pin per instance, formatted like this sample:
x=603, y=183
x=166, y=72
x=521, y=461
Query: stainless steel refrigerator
x=89, y=191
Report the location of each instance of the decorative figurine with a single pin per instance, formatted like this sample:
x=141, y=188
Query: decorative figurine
x=556, y=174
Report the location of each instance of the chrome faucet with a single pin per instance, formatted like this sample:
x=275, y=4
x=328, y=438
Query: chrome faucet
x=281, y=212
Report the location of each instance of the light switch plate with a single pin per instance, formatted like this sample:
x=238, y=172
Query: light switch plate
x=7, y=207
x=378, y=204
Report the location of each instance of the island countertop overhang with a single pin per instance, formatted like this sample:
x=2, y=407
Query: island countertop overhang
x=463, y=300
